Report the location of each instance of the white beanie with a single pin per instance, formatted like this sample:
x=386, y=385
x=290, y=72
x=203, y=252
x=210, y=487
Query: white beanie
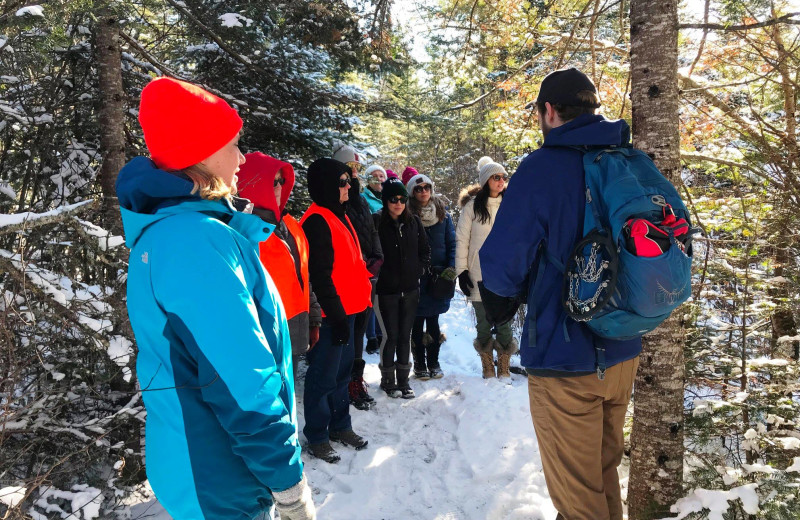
x=344, y=153
x=489, y=169
x=375, y=168
x=483, y=161
x=419, y=178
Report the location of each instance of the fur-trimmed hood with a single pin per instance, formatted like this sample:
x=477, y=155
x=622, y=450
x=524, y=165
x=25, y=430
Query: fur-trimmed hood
x=468, y=193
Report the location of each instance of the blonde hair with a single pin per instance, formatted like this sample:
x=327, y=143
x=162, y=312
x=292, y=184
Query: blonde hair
x=208, y=185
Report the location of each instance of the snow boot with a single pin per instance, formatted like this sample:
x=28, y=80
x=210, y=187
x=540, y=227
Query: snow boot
x=487, y=357
x=420, y=367
x=349, y=438
x=432, y=349
x=402, y=381
x=389, y=383
x=324, y=451
x=357, y=388
x=504, y=353
x=372, y=345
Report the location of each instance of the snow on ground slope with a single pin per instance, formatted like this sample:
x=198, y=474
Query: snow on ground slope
x=463, y=449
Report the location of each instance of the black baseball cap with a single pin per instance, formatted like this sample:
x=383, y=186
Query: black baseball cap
x=562, y=86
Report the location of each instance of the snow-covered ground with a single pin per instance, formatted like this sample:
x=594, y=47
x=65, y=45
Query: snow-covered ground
x=463, y=449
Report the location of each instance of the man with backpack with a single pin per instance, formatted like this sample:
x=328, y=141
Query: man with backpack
x=578, y=410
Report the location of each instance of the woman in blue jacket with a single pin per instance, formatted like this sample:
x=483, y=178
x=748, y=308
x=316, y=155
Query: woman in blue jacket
x=214, y=356
x=426, y=335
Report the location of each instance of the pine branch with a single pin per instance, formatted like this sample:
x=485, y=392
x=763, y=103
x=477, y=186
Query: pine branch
x=787, y=19
x=32, y=220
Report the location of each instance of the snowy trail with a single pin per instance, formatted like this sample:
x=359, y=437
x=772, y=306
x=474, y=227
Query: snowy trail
x=463, y=449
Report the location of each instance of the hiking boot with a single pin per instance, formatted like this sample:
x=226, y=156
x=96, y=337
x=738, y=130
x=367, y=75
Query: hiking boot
x=388, y=382
x=403, y=372
x=487, y=357
x=356, y=399
x=504, y=353
x=357, y=388
x=432, y=350
x=349, y=438
x=420, y=367
x=324, y=451
x=372, y=345
x=407, y=393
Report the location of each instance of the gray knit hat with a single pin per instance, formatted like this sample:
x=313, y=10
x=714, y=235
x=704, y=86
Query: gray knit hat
x=345, y=153
x=482, y=161
x=489, y=169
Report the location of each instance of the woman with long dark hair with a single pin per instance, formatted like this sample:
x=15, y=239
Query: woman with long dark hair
x=480, y=203
x=426, y=334
x=406, y=256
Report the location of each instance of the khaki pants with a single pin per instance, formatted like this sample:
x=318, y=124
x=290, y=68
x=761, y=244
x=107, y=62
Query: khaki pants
x=578, y=422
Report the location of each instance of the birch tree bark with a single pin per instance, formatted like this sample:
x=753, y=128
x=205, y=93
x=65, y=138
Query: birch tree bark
x=656, y=471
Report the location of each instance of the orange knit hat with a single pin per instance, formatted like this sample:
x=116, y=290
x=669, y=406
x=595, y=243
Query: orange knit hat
x=184, y=124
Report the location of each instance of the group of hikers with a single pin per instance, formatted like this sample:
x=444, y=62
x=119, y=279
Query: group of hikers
x=226, y=290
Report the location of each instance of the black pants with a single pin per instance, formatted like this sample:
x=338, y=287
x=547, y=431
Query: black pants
x=360, y=328
x=395, y=314
x=433, y=328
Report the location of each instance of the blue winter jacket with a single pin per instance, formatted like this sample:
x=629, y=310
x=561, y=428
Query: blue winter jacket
x=374, y=201
x=544, y=206
x=214, y=354
x=442, y=239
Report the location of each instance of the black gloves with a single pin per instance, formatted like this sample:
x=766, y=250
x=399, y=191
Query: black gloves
x=465, y=283
x=499, y=309
x=340, y=332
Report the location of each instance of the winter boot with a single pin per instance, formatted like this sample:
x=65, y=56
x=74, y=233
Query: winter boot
x=504, y=353
x=349, y=438
x=388, y=382
x=432, y=350
x=402, y=381
x=325, y=452
x=372, y=345
x=357, y=388
x=487, y=358
x=420, y=367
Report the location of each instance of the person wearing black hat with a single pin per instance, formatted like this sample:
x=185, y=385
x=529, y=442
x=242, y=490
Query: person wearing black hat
x=406, y=256
x=578, y=418
x=340, y=279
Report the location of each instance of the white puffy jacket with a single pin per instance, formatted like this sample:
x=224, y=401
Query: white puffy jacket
x=470, y=235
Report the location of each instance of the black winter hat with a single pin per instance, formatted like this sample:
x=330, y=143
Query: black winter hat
x=323, y=182
x=562, y=86
x=392, y=188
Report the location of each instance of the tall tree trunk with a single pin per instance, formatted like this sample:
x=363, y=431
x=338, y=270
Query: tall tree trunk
x=108, y=56
x=656, y=473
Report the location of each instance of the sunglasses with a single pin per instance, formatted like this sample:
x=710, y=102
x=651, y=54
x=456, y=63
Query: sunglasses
x=398, y=199
x=420, y=189
x=344, y=182
x=278, y=182
x=499, y=177
x=357, y=166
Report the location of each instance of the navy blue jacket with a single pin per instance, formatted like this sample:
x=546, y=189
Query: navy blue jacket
x=442, y=239
x=544, y=205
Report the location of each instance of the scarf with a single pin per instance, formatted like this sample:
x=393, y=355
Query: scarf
x=428, y=214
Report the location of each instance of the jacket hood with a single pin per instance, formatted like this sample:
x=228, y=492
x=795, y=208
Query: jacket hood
x=147, y=194
x=323, y=183
x=590, y=130
x=468, y=193
x=256, y=178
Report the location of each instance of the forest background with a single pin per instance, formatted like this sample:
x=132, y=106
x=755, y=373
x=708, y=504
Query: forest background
x=435, y=93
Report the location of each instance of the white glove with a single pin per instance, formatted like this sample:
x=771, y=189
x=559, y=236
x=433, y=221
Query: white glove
x=296, y=503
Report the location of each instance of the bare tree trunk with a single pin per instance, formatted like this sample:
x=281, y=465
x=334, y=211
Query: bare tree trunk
x=657, y=437
x=108, y=56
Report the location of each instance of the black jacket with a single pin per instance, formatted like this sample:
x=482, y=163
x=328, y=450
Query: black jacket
x=360, y=215
x=406, y=254
x=323, y=186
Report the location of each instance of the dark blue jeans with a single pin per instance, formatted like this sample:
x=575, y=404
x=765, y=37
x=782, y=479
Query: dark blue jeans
x=326, y=401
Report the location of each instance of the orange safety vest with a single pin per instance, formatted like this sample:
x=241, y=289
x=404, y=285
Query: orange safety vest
x=350, y=276
x=280, y=264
